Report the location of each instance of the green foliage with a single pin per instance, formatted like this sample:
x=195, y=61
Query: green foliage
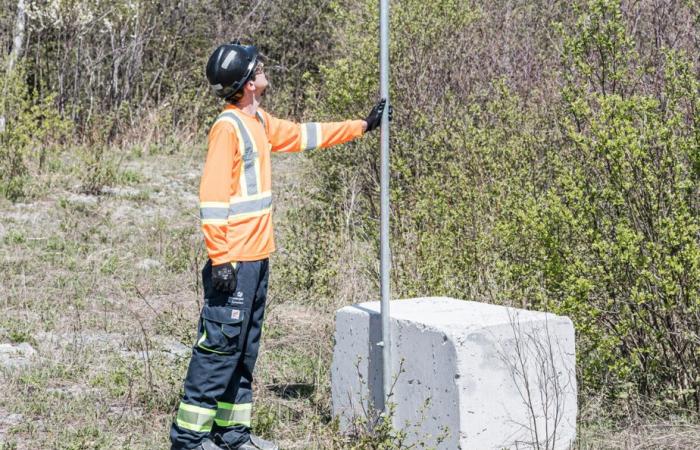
x=377, y=432
x=19, y=335
x=32, y=135
x=601, y=53
x=380, y=435
x=97, y=168
x=613, y=241
x=349, y=184
x=586, y=205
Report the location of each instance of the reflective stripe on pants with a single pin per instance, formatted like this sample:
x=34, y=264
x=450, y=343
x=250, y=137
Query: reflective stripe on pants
x=195, y=418
x=228, y=414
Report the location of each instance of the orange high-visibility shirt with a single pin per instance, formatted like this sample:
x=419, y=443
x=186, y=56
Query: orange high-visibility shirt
x=235, y=192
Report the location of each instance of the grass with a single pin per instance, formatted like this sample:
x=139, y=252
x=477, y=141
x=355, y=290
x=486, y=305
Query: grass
x=78, y=286
x=105, y=286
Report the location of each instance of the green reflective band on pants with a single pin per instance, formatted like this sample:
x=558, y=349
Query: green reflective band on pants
x=195, y=418
x=228, y=414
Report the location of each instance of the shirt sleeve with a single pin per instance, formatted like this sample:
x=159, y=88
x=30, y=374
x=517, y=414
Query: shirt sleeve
x=286, y=136
x=221, y=172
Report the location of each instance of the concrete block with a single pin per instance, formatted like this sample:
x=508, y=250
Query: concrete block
x=467, y=375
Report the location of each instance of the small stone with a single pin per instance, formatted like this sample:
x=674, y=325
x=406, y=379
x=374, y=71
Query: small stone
x=16, y=355
x=147, y=264
x=7, y=421
x=176, y=348
x=83, y=199
x=120, y=191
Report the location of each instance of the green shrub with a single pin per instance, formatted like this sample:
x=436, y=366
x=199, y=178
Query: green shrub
x=34, y=130
x=583, y=200
x=614, y=240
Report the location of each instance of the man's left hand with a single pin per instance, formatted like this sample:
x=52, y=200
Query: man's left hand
x=223, y=277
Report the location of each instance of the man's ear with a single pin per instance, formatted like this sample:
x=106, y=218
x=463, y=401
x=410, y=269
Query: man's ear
x=249, y=85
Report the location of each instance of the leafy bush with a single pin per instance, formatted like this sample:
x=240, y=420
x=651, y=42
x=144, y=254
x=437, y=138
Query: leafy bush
x=34, y=130
x=578, y=195
x=614, y=240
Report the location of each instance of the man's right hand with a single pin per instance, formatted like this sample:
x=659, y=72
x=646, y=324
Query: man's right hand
x=223, y=277
x=374, y=118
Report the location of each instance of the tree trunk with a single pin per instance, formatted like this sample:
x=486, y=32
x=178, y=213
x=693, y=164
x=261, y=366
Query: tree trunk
x=18, y=40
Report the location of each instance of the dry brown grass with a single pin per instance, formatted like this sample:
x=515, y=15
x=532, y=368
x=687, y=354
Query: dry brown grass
x=645, y=435
x=106, y=289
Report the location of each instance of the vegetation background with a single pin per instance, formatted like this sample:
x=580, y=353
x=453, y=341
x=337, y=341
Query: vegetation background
x=545, y=154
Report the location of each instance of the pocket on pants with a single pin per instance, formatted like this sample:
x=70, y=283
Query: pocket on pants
x=220, y=329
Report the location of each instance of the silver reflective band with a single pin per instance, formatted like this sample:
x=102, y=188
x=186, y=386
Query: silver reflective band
x=213, y=213
x=251, y=206
x=310, y=135
x=250, y=66
x=248, y=154
x=260, y=118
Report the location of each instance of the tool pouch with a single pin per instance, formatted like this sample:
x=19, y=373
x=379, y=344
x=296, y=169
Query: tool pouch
x=220, y=329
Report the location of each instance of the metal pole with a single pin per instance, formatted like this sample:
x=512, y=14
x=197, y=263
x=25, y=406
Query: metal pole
x=384, y=234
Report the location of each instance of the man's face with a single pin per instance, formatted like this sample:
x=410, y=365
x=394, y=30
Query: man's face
x=260, y=80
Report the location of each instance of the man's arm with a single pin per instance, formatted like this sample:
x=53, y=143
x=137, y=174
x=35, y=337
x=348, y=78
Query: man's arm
x=215, y=189
x=286, y=136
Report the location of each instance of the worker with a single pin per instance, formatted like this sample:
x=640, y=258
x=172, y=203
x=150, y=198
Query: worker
x=236, y=214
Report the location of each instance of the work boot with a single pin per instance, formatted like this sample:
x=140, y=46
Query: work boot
x=257, y=443
x=207, y=445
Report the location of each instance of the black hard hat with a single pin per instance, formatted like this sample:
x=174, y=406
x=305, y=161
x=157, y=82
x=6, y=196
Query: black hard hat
x=230, y=66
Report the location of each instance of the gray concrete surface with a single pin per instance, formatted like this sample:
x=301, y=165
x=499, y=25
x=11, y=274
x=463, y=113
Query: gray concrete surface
x=468, y=375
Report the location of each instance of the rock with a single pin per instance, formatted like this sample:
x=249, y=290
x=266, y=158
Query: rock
x=82, y=199
x=110, y=344
x=147, y=264
x=7, y=421
x=175, y=348
x=471, y=373
x=16, y=355
x=160, y=347
x=124, y=212
x=28, y=213
x=52, y=341
x=120, y=191
x=72, y=390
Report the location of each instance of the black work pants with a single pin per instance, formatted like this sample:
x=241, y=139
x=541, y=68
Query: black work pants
x=218, y=397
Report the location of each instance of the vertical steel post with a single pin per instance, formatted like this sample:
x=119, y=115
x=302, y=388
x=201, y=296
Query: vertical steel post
x=384, y=234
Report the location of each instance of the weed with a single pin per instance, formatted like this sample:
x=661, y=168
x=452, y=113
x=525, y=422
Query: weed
x=129, y=177
x=21, y=335
x=14, y=237
x=98, y=168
